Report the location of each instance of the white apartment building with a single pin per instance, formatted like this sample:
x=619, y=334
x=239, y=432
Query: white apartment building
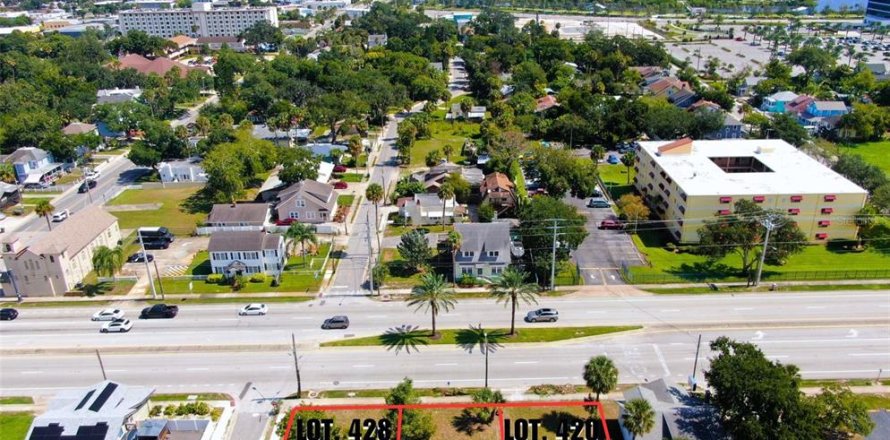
x=246, y=253
x=202, y=20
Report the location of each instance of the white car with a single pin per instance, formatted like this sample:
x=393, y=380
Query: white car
x=253, y=309
x=118, y=325
x=59, y=216
x=108, y=315
x=92, y=175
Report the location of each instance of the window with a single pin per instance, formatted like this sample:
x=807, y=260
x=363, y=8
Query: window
x=497, y=270
x=830, y=198
x=493, y=253
x=759, y=199
x=793, y=211
x=725, y=199
x=468, y=254
x=301, y=203
x=294, y=215
x=52, y=259
x=796, y=199
x=480, y=271
x=682, y=209
x=827, y=210
x=723, y=212
x=310, y=214
x=824, y=223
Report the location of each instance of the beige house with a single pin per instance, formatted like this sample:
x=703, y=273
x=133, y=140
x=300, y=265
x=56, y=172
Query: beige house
x=497, y=189
x=307, y=202
x=53, y=263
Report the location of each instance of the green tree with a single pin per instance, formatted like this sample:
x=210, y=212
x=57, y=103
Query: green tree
x=374, y=194
x=867, y=122
x=600, y=375
x=416, y=425
x=380, y=271
x=537, y=218
x=639, y=418
x=301, y=233
x=7, y=173
x=331, y=108
x=633, y=208
x=106, y=261
x=485, y=395
x=225, y=175
x=355, y=149
x=45, y=209
x=843, y=413
x=432, y=295
x=813, y=59
x=305, y=414
x=486, y=212
x=628, y=159
x=297, y=164
x=454, y=241
x=260, y=33
x=511, y=288
x=446, y=193
x=415, y=250
x=860, y=172
x=785, y=126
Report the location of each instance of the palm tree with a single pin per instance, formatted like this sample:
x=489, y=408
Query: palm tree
x=600, y=375
x=203, y=125
x=433, y=295
x=597, y=154
x=7, y=173
x=45, y=209
x=454, y=241
x=301, y=232
x=355, y=149
x=107, y=261
x=639, y=418
x=374, y=194
x=628, y=160
x=446, y=192
x=511, y=287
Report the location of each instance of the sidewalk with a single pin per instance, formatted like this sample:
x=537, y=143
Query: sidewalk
x=764, y=283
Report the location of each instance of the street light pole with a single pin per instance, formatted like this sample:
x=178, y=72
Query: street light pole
x=485, y=344
x=101, y=365
x=151, y=282
x=770, y=221
x=258, y=392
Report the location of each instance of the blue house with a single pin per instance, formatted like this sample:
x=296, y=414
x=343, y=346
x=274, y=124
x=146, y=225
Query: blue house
x=822, y=115
x=775, y=103
x=732, y=129
x=33, y=165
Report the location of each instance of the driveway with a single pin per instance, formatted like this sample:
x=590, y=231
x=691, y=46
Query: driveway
x=174, y=260
x=603, y=251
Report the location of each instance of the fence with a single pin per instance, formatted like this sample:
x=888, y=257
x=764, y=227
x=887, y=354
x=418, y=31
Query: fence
x=815, y=275
x=207, y=230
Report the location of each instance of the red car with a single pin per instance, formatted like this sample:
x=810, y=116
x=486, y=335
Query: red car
x=285, y=222
x=339, y=169
x=340, y=185
x=610, y=224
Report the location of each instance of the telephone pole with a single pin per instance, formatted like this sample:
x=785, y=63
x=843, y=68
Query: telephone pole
x=553, y=258
x=770, y=221
x=293, y=341
x=151, y=281
x=370, y=254
x=101, y=365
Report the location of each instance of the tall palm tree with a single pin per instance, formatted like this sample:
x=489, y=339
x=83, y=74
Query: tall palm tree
x=628, y=160
x=596, y=154
x=511, y=287
x=600, y=375
x=374, y=194
x=639, y=418
x=106, y=261
x=432, y=295
x=45, y=209
x=446, y=192
x=454, y=241
x=355, y=149
x=301, y=232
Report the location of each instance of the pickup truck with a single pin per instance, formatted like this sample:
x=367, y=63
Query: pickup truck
x=159, y=311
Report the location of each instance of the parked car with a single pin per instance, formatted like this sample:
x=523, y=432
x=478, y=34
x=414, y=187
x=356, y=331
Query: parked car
x=613, y=159
x=108, y=315
x=37, y=185
x=542, y=315
x=285, y=221
x=86, y=186
x=159, y=311
x=8, y=314
x=340, y=185
x=117, y=325
x=598, y=202
x=253, y=309
x=611, y=224
x=60, y=216
x=339, y=168
x=139, y=257
x=339, y=321
x=92, y=175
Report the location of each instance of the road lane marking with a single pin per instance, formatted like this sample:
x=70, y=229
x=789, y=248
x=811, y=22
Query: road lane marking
x=869, y=354
x=667, y=371
x=451, y=364
x=362, y=366
x=525, y=362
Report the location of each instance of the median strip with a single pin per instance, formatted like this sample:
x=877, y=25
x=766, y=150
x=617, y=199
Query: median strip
x=465, y=337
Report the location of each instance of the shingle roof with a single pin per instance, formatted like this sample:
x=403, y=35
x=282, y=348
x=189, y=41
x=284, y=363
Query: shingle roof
x=830, y=105
x=226, y=241
x=496, y=180
x=182, y=40
x=75, y=233
x=159, y=66
x=25, y=154
x=239, y=213
x=783, y=96
x=481, y=237
x=316, y=192
x=78, y=128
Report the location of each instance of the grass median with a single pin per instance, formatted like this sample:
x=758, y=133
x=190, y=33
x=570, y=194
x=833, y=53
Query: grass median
x=467, y=337
x=16, y=400
x=14, y=425
x=766, y=288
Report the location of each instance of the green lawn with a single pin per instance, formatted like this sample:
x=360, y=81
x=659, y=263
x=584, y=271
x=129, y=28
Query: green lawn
x=27, y=200
x=181, y=208
x=345, y=200
x=875, y=402
x=26, y=304
x=615, y=178
x=444, y=133
x=877, y=153
x=567, y=275
x=16, y=400
x=397, y=276
x=14, y=425
x=815, y=262
x=312, y=262
x=351, y=177
x=495, y=336
x=393, y=231
x=197, y=299
x=71, y=177
x=762, y=288
x=302, y=282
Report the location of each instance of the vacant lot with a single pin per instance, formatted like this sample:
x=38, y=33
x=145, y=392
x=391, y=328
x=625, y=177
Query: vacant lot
x=180, y=209
x=444, y=133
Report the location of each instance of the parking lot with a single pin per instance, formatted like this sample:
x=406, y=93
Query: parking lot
x=601, y=254
x=174, y=260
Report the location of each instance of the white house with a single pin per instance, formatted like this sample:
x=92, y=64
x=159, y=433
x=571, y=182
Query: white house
x=246, y=253
x=427, y=209
x=186, y=170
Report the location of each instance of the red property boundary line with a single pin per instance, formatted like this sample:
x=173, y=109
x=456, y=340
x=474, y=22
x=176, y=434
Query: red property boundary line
x=400, y=408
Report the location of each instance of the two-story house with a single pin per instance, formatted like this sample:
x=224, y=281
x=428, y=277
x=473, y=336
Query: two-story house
x=53, y=263
x=775, y=103
x=246, y=253
x=675, y=91
x=427, y=209
x=307, y=201
x=486, y=250
x=822, y=114
x=33, y=165
x=498, y=190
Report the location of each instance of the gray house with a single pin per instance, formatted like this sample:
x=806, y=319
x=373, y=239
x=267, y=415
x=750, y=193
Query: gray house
x=307, y=202
x=239, y=216
x=677, y=414
x=486, y=250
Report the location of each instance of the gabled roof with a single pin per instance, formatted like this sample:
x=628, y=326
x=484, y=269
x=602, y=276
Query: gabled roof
x=182, y=41
x=496, y=181
x=483, y=237
x=675, y=145
x=830, y=105
x=783, y=96
x=78, y=128
x=799, y=104
x=647, y=71
x=545, y=103
x=26, y=154
x=239, y=213
x=314, y=192
x=74, y=234
x=233, y=241
x=665, y=83
x=159, y=65
x=703, y=103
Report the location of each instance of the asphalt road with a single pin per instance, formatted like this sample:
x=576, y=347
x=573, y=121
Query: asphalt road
x=601, y=254
x=820, y=352
x=219, y=325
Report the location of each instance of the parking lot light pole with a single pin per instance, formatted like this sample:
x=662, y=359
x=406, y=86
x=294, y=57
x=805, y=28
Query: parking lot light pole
x=485, y=345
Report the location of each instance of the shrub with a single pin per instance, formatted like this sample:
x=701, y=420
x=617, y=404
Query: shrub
x=170, y=410
x=215, y=278
x=671, y=247
x=216, y=413
x=238, y=282
x=468, y=281
x=258, y=278
x=274, y=282
x=156, y=411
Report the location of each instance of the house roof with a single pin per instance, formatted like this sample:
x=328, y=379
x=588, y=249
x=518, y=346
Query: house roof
x=481, y=237
x=239, y=213
x=151, y=428
x=496, y=180
x=78, y=128
x=783, y=96
x=227, y=241
x=703, y=103
x=6, y=188
x=318, y=193
x=677, y=415
x=664, y=83
x=26, y=154
x=882, y=425
x=81, y=413
x=159, y=65
x=646, y=71
x=217, y=40
x=117, y=95
x=799, y=104
x=830, y=105
x=182, y=40
x=877, y=68
x=730, y=120
x=75, y=233
x=545, y=102
x=681, y=96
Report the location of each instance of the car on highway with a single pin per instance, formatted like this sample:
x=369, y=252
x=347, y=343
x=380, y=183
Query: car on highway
x=611, y=224
x=542, y=315
x=86, y=186
x=108, y=315
x=60, y=216
x=117, y=326
x=253, y=309
x=92, y=175
x=598, y=202
x=8, y=314
x=336, y=322
x=159, y=311
x=139, y=257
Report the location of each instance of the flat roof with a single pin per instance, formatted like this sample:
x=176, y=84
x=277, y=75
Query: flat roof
x=793, y=172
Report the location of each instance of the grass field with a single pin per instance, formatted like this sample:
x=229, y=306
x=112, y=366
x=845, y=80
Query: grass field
x=615, y=178
x=875, y=402
x=877, y=153
x=393, y=231
x=444, y=133
x=16, y=400
x=345, y=200
x=351, y=177
x=180, y=210
x=396, y=277
x=27, y=305
x=197, y=299
x=465, y=337
x=14, y=425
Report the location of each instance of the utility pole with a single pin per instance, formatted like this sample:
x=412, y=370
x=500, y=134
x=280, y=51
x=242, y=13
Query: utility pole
x=293, y=341
x=160, y=285
x=151, y=282
x=553, y=259
x=695, y=364
x=101, y=366
x=485, y=344
x=770, y=221
x=370, y=253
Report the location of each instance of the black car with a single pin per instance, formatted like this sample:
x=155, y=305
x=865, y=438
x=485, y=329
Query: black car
x=159, y=311
x=338, y=321
x=139, y=257
x=86, y=186
x=8, y=314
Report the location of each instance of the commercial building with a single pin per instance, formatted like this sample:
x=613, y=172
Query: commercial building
x=202, y=20
x=688, y=182
x=53, y=263
x=878, y=11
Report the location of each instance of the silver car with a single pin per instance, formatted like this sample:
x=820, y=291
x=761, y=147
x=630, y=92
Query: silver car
x=542, y=315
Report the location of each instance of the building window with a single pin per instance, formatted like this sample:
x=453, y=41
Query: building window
x=468, y=254
x=796, y=199
x=294, y=215
x=479, y=271
x=493, y=253
x=824, y=223
x=793, y=211
x=830, y=198
x=310, y=214
x=301, y=203
x=52, y=259
x=466, y=270
x=759, y=199
x=725, y=199
x=497, y=270
x=827, y=210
